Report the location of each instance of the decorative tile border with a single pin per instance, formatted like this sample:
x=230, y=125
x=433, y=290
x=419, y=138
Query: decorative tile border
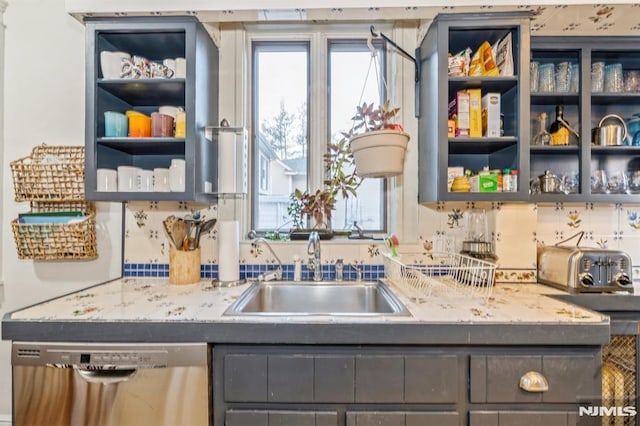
x=161, y=270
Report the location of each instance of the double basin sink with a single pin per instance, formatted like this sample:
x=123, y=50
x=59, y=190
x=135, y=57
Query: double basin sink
x=291, y=298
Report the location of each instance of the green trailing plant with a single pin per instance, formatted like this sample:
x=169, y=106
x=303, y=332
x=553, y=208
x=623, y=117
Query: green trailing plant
x=320, y=204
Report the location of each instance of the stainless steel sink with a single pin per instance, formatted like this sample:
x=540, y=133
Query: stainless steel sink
x=318, y=298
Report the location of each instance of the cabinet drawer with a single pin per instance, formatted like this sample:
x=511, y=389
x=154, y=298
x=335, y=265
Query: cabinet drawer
x=341, y=378
x=522, y=418
x=571, y=378
x=280, y=418
x=402, y=418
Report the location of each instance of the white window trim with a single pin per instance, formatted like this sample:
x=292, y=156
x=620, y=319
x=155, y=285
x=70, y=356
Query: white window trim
x=235, y=101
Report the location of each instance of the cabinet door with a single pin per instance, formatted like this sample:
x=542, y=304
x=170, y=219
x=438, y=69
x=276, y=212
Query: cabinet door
x=521, y=418
x=400, y=418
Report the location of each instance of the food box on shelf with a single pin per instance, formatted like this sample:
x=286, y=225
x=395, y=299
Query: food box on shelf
x=459, y=113
x=491, y=115
x=475, y=113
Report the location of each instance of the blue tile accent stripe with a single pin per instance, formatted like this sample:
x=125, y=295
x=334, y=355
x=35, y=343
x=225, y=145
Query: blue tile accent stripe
x=370, y=272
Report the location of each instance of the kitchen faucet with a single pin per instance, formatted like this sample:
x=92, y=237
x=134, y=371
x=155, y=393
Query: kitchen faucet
x=275, y=274
x=313, y=249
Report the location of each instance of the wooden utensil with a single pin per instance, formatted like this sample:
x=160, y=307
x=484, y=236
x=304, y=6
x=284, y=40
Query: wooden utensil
x=168, y=229
x=180, y=233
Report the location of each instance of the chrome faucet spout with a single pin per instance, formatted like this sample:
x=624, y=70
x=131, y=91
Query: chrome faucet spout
x=270, y=275
x=313, y=249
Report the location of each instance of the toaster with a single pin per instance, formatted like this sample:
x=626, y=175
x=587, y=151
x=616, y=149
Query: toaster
x=584, y=270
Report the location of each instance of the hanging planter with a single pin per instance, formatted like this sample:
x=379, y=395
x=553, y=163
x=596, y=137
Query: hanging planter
x=379, y=153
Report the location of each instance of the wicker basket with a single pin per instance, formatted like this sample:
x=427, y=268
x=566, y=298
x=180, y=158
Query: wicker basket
x=52, y=173
x=56, y=241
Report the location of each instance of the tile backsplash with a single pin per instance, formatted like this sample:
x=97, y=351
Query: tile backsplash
x=514, y=229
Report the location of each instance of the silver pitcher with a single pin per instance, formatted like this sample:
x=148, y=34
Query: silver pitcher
x=610, y=134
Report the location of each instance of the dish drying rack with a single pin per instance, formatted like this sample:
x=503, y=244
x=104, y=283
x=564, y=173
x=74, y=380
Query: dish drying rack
x=419, y=275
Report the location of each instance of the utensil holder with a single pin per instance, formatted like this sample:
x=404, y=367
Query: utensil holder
x=184, y=266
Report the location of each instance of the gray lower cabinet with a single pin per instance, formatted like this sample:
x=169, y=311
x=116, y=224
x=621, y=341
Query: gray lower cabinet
x=403, y=386
x=522, y=418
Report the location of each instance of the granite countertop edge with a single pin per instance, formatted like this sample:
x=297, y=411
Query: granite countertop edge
x=564, y=324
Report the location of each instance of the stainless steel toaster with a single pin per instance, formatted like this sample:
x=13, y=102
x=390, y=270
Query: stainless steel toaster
x=584, y=270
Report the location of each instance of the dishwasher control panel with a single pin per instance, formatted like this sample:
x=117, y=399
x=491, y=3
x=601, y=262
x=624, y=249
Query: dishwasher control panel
x=108, y=355
x=148, y=359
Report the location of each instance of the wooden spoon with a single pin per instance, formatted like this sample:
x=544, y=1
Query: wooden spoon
x=179, y=233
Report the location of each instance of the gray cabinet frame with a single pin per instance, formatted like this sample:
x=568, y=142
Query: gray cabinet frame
x=586, y=47
x=156, y=38
x=434, y=144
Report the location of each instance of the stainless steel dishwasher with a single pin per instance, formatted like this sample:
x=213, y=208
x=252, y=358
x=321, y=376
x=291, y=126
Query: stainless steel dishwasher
x=110, y=384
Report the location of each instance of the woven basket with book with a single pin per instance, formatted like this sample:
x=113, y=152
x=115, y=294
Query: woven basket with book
x=52, y=173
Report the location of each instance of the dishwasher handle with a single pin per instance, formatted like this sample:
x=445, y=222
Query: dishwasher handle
x=106, y=377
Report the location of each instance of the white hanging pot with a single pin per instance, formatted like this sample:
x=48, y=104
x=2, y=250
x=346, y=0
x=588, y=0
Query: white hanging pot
x=379, y=153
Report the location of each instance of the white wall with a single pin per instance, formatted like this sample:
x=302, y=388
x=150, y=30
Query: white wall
x=44, y=102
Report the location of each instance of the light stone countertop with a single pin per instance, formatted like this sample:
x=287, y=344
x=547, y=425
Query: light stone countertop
x=144, y=302
x=153, y=299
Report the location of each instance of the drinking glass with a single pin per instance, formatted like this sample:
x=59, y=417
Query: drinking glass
x=562, y=77
x=574, y=78
x=617, y=183
x=597, y=76
x=633, y=178
x=546, y=78
x=613, y=78
x=599, y=182
x=534, y=76
x=571, y=182
x=631, y=80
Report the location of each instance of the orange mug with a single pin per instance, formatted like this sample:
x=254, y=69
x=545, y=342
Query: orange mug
x=139, y=125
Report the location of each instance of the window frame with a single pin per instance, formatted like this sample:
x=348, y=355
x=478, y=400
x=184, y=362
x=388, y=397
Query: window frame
x=318, y=37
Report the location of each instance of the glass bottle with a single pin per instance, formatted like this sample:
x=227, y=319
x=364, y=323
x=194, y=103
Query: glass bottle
x=559, y=131
x=542, y=137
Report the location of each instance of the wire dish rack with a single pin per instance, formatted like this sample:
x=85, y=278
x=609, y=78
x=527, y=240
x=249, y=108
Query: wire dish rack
x=420, y=275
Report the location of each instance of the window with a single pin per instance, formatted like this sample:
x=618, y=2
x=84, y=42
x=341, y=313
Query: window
x=280, y=99
x=291, y=137
x=349, y=63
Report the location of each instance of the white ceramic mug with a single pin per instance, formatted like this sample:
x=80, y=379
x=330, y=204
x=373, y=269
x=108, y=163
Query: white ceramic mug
x=169, y=110
x=145, y=179
x=161, y=180
x=171, y=64
x=128, y=178
x=107, y=180
x=177, y=173
x=181, y=68
x=111, y=63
